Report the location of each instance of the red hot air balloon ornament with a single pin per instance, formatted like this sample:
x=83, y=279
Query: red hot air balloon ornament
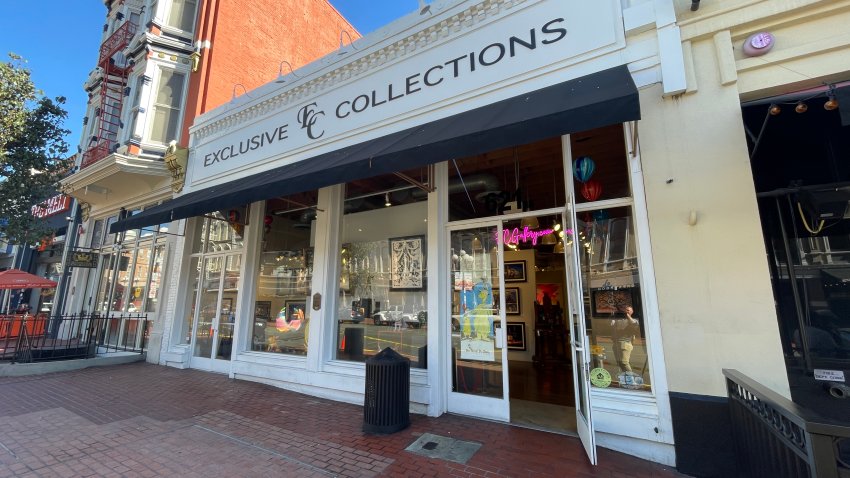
x=591, y=190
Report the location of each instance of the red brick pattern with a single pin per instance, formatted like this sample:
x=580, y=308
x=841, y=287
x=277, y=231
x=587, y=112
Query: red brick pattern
x=143, y=420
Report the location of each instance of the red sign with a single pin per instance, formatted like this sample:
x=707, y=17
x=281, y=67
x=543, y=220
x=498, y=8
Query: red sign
x=51, y=207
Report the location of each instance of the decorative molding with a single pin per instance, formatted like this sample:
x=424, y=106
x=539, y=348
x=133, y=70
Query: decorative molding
x=176, y=159
x=424, y=38
x=725, y=52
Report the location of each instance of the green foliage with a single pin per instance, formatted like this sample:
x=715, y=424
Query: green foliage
x=32, y=152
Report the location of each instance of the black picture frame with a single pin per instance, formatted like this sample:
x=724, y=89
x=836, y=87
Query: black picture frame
x=407, y=263
x=263, y=309
x=611, y=302
x=515, y=271
x=515, y=335
x=512, y=301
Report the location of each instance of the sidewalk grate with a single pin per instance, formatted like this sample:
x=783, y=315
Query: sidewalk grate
x=444, y=448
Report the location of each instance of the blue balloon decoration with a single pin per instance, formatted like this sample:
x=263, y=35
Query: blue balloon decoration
x=600, y=215
x=583, y=168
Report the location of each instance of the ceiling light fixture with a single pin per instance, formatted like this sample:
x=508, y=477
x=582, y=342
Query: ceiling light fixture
x=774, y=110
x=801, y=107
x=387, y=202
x=831, y=102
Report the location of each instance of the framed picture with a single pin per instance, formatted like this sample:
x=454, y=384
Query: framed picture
x=407, y=263
x=610, y=302
x=263, y=309
x=295, y=310
x=515, y=333
x=512, y=301
x=515, y=271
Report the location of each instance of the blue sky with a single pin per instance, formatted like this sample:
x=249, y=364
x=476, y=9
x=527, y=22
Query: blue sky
x=60, y=41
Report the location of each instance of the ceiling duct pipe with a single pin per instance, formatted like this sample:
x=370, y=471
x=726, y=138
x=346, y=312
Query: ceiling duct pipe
x=476, y=182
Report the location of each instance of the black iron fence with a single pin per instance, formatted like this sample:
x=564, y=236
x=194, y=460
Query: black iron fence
x=34, y=338
x=776, y=438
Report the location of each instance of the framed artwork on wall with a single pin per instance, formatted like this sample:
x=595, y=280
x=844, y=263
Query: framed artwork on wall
x=611, y=302
x=515, y=271
x=512, y=296
x=407, y=263
x=515, y=333
x=263, y=309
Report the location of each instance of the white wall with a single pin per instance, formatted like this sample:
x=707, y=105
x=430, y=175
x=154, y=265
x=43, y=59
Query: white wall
x=714, y=293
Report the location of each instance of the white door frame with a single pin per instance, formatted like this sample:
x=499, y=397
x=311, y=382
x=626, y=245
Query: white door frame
x=468, y=404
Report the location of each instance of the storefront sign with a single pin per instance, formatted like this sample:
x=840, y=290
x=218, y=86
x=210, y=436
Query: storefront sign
x=82, y=259
x=515, y=236
x=51, y=207
x=525, y=38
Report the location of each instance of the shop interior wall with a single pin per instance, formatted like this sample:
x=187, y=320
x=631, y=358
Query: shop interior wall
x=526, y=303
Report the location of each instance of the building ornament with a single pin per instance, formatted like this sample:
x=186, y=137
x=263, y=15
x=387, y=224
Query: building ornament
x=176, y=159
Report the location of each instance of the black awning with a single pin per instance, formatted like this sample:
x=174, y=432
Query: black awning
x=600, y=99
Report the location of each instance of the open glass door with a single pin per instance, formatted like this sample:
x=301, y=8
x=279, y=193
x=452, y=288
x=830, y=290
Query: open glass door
x=213, y=334
x=579, y=340
x=479, y=371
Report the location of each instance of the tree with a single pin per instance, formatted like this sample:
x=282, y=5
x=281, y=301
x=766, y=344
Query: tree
x=32, y=152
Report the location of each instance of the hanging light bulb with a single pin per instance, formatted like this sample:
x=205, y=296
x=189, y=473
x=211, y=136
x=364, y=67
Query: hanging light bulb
x=774, y=110
x=831, y=103
x=387, y=202
x=801, y=107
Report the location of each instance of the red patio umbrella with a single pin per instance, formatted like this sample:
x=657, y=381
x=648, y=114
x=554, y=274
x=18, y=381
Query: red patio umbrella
x=18, y=279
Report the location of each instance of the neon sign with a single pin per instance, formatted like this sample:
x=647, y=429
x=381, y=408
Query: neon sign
x=514, y=236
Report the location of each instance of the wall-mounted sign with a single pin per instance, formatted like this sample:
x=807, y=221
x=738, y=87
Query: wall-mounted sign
x=489, y=52
x=51, y=207
x=82, y=259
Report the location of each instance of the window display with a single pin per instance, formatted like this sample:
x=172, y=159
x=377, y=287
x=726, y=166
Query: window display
x=382, y=299
x=613, y=298
x=281, y=316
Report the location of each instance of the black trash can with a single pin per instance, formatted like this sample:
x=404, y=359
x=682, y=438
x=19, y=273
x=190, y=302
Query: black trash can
x=387, y=401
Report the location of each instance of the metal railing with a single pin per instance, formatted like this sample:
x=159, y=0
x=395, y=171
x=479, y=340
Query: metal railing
x=776, y=438
x=117, y=41
x=35, y=338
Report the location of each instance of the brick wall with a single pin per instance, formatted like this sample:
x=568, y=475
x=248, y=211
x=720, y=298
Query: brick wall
x=250, y=39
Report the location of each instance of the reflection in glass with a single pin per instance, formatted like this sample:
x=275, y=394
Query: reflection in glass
x=476, y=358
x=281, y=314
x=382, y=298
x=611, y=281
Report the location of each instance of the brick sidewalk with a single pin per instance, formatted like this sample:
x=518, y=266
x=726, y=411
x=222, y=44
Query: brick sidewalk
x=143, y=420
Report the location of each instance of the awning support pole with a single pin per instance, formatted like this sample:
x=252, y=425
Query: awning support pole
x=425, y=187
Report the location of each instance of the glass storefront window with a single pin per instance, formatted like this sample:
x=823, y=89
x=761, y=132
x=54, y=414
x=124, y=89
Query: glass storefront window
x=522, y=178
x=599, y=164
x=382, y=299
x=186, y=329
x=612, y=291
x=281, y=317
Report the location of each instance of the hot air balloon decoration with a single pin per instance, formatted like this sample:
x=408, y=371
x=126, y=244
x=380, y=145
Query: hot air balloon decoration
x=591, y=190
x=583, y=168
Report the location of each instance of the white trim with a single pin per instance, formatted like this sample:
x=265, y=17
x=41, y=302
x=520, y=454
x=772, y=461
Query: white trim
x=652, y=322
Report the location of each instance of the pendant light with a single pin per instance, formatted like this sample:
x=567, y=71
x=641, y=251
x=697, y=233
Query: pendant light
x=559, y=248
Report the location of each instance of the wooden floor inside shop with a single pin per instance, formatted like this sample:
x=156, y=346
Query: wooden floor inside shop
x=542, y=397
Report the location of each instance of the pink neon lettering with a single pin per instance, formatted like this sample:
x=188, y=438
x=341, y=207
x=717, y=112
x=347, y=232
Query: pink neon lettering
x=514, y=236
